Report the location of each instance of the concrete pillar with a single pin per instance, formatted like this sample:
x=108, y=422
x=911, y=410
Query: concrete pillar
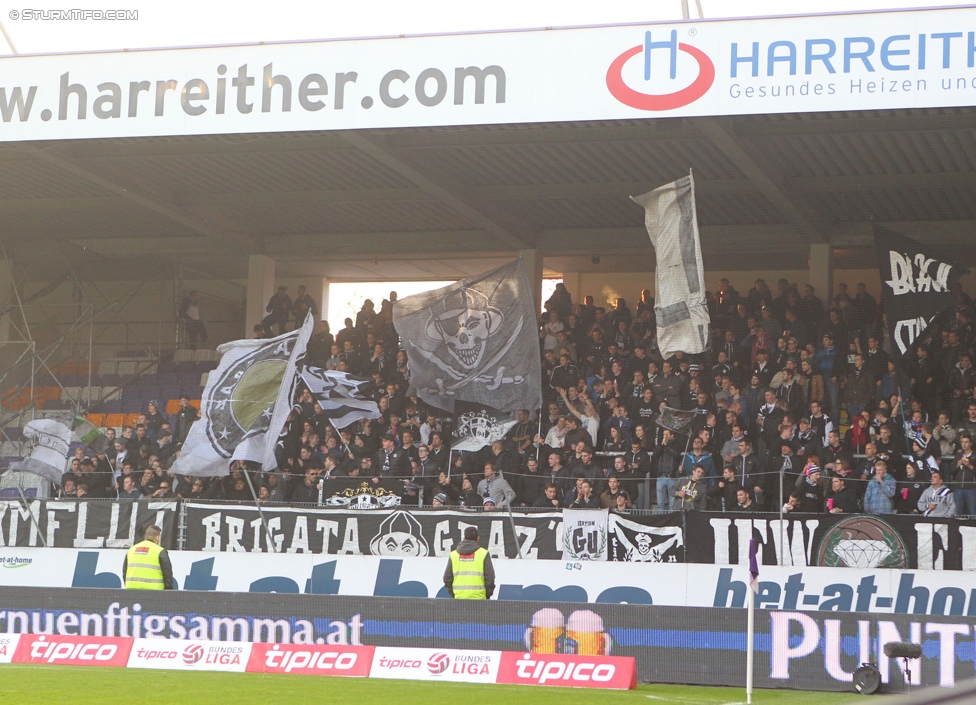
x=6, y=300
x=323, y=301
x=822, y=272
x=574, y=285
x=533, y=265
x=260, y=289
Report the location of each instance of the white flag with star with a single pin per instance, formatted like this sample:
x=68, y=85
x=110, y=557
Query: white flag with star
x=246, y=396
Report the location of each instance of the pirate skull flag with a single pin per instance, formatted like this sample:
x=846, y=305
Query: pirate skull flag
x=916, y=287
x=474, y=341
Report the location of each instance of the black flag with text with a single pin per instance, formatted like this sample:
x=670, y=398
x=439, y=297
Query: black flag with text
x=916, y=286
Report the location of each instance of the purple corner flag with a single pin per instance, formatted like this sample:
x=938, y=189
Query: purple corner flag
x=753, y=566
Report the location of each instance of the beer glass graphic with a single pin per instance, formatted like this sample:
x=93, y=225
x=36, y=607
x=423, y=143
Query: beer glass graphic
x=585, y=635
x=545, y=634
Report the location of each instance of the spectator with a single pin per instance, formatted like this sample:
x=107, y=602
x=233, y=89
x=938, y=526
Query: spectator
x=585, y=498
x=495, y=487
x=937, y=500
x=880, y=490
x=303, y=305
x=691, y=492
x=841, y=499
x=550, y=498
x=278, y=308
x=189, y=313
x=608, y=498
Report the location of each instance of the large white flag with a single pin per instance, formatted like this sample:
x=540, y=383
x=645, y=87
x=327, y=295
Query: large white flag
x=680, y=308
x=51, y=439
x=245, y=405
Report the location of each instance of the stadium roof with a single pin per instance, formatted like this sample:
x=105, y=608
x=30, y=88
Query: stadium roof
x=428, y=203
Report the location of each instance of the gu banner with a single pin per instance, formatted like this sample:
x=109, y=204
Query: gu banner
x=51, y=440
x=916, y=287
x=474, y=341
x=85, y=524
x=585, y=534
x=478, y=425
x=680, y=308
x=248, y=394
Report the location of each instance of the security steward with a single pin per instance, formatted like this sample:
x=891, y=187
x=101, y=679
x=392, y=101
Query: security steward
x=147, y=565
x=470, y=574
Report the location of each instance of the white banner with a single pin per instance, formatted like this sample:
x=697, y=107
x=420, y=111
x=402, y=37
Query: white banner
x=868, y=61
x=672, y=584
x=585, y=534
x=189, y=655
x=8, y=645
x=461, y=666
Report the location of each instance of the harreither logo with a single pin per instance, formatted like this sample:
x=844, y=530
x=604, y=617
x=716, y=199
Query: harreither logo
x=621, y=79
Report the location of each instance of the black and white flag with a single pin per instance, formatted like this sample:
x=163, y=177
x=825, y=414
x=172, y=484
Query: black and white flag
x=680, y=308
x=478, y=425
x=341, y=395
x=474, y=341
x=249, y=393
x=916, y=287
x=51, y=440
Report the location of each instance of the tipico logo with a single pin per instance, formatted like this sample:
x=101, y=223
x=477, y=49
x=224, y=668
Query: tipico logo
x=624, y=84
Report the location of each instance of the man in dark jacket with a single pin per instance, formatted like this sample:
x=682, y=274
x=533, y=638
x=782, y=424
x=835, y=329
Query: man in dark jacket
x=469, y=547
x=841, y=499
x=390, y=461
x=278, y=309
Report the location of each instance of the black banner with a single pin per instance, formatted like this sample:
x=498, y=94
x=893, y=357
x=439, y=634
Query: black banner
x=658, y=538
x=215, y=527
x=854, y=541
x=85, y=523
x=702, y=646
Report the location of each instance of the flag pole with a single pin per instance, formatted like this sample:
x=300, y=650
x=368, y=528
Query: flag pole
x=257, y=504
x=750, y=637
x=33, y=518
x=751, y=617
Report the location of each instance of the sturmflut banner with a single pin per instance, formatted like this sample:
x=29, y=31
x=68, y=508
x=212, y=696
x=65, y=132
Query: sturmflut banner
x=680, y=308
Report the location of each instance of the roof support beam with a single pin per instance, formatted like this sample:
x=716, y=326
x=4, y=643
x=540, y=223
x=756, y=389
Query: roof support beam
x=144, y=199
x=384, y=157
x=766, y=181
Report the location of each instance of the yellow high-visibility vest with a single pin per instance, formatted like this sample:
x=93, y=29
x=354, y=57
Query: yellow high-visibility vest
x=469, y=575
x=142, y=568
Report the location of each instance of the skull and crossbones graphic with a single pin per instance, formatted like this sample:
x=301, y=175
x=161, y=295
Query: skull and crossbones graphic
x=462, y=324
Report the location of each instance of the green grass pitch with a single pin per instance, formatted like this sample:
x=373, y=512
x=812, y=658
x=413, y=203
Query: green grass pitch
x=40, y=685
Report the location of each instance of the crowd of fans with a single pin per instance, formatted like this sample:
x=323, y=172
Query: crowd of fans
x=799, y=406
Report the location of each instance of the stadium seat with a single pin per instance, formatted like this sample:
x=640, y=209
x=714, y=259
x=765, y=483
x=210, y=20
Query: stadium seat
x=132, y=419
x=172, y=406
x=206, y=366
x=183, y=356
x=108, y=367
x=132, y=406
x=203, y=355
x=97, y=420
x=112, y=380
x=127, y=368
x=166, y=367
x=185, y=367
x=114, y=420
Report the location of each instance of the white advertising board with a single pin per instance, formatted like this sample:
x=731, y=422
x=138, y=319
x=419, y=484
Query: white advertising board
x=868, y=61
x=671, y=584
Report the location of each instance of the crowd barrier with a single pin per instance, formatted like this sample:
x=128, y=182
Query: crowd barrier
x=706, y=646
x=951, y=593
x=829, y=540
